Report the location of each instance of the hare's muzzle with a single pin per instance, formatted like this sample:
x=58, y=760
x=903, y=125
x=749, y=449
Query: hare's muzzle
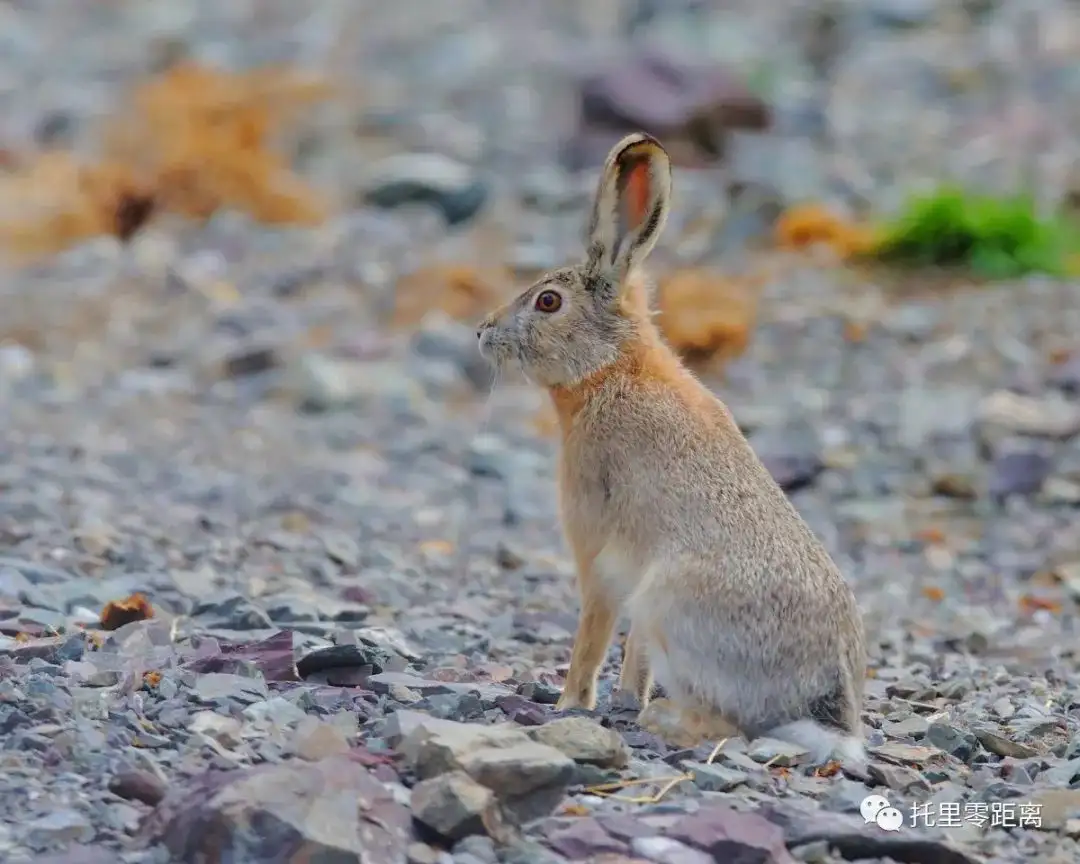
x=483, y=336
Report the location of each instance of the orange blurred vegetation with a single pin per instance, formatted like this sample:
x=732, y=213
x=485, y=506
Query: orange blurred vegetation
x=704, y=313
x=459, y=290
x=190, y=141
x=809, y=225
x=117, y=613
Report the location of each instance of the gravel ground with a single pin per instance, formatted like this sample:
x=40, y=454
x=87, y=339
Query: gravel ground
x=362, y=604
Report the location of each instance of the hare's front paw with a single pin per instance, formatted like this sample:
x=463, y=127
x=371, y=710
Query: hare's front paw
x=577, y=698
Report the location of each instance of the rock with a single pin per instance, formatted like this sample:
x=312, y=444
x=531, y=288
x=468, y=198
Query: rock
x=273, y=657
x=135, y=785
x=791, y=455
x=330, y=810
x=79, y=853
x=902, y=754
x=528, y=778
x=584, y=741
x=1066, y=375
x=422, y=853
x=479, y=848
x=1060, y=490
x=220, y=687
x=315, y=740
x=521, y=711
x=426, y=178
x=933, y=413
x=224, y=730
x=249, y=361
x=1046, y=417
x=584, y=839
x=390, y=641
x=729, y=835
x=956, y=742
x=323, y=383
x=903, y=13
x=914, y=726
x=341, y=548
x=60, y=827
x=276, y=711
x=232, y=612
x=664, y=850
x=455, y=806
x=1002, y=746
x=854, y=839
x=690, y=108
x=365, y=658
x=441, y=338
x=953, y=484
x=710, y=777
x=896, y=777
x=777, y=753
x=1019, y=472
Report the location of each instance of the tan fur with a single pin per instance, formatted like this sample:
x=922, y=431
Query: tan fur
x=733, y=602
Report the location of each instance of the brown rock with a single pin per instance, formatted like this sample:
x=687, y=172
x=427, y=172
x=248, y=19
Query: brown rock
x=330, y=810
x=691, y=108
x=585, y=741
x=135, y=785
x=315, y=739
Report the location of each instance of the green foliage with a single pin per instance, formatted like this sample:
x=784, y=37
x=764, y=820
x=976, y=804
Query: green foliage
x=995, y=238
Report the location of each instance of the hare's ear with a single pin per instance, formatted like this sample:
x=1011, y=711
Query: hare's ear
x=631, y=207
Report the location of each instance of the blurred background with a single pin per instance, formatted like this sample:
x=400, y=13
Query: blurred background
x=230, y=214
x=244, y=245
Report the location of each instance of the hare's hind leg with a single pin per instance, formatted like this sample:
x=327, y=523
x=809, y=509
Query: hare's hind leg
x=636, y=673
x=707, y=724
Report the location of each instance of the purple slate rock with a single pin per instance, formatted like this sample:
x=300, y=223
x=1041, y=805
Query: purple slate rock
x=732, y=836
x=623, y=826
x=662, y=92
x=583, y=840
x=521, y=711
x=273, y=656
x=1021, y=472
x=80, y=853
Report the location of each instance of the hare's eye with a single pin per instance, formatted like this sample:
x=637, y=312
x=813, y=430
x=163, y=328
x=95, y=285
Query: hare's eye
x=548, y=301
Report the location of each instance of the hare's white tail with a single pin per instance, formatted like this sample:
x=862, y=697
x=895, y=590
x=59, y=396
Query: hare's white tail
x=824, y=744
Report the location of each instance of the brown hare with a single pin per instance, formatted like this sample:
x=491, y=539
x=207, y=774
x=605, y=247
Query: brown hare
x=733, y=603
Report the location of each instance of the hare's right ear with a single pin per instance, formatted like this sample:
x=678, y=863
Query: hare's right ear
x=631, y=207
